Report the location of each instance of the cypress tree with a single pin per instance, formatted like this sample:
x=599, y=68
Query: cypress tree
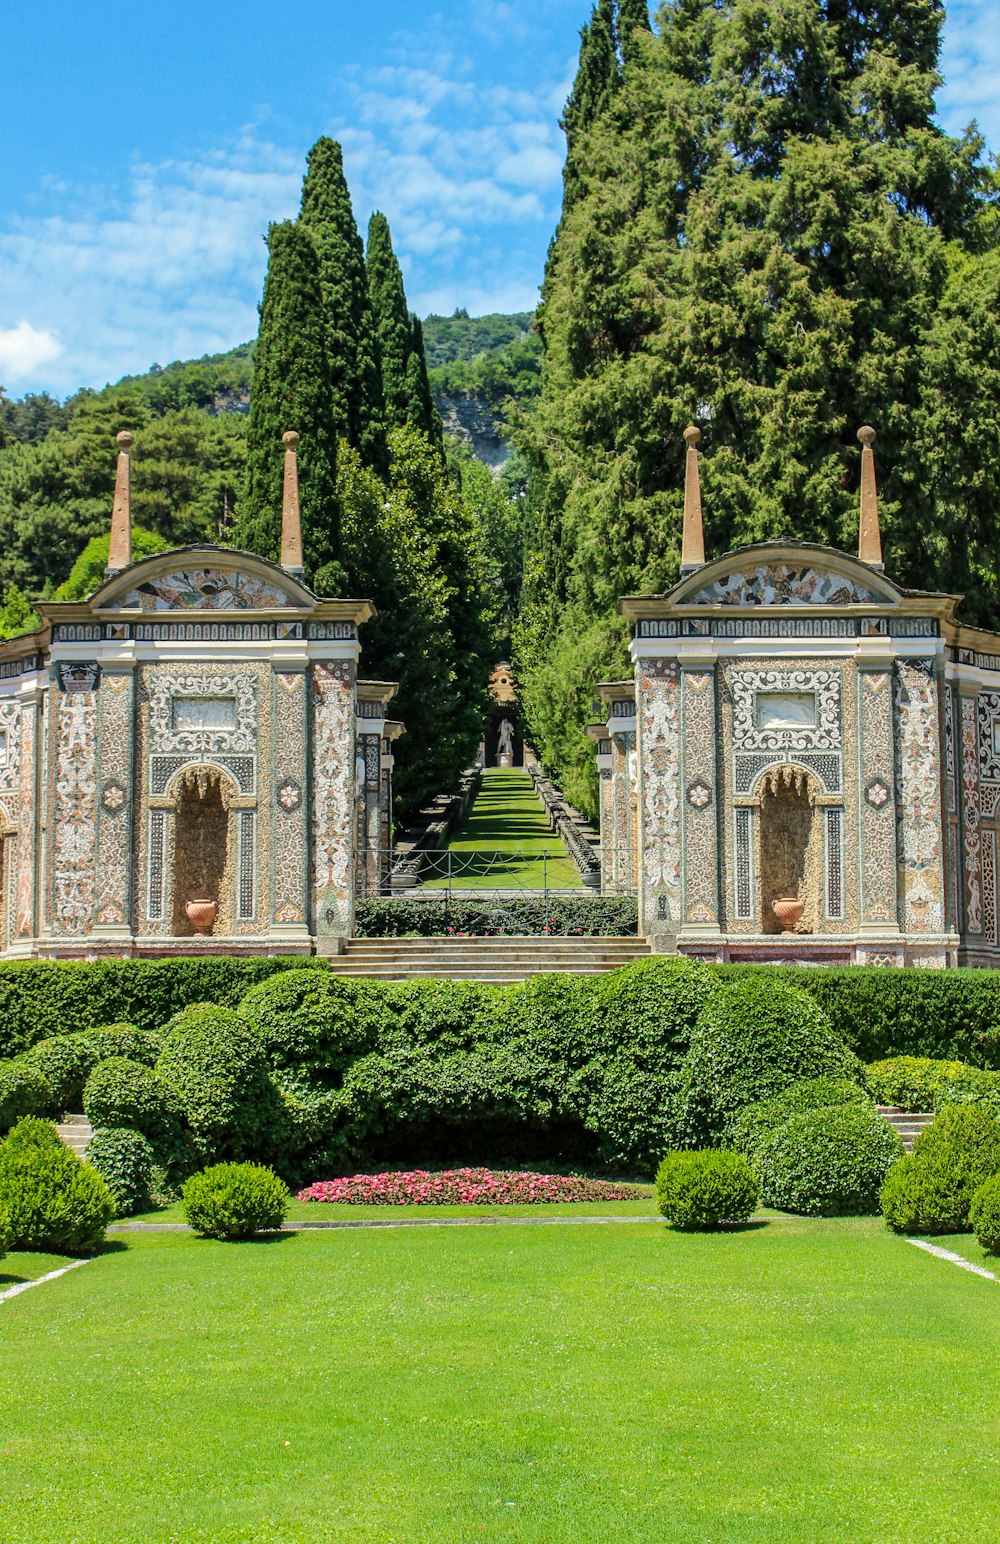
x=633, y=16
x=291, y=389
x=392, y=319
x=765, y=229
x=326, y=213
x=421, y=411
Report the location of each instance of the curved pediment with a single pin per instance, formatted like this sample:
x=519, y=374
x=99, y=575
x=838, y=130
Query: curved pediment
x=205, y=578
x=786, y=575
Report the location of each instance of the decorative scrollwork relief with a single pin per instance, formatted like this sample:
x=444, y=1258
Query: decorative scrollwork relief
x=167, y=738
x=824, y=735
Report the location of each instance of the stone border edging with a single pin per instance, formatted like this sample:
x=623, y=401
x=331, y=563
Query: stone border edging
x=956, y=1259
x=390, y=1222
x=25, y=1286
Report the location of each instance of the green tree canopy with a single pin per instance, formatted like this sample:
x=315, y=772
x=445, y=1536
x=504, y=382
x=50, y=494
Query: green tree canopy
x=763, y=231
x=291, y=389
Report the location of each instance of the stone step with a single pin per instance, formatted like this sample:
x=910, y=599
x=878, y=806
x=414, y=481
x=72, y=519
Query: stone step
x=908, y=1124
x=76, y=1131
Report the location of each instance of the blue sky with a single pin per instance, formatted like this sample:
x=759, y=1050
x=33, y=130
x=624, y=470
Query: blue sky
x=143, y=153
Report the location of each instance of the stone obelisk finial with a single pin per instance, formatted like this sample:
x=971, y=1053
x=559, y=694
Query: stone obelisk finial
x=870, y=536
x=693, y=543
x=120, y=548
x=291, y=519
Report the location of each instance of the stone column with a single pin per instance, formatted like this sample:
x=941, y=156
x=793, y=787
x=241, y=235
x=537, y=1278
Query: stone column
x=369, y=812
x=333, y=795
x=877, y=857
x=25, y=921
x=972, y=847
x=918, y=774
x=623, y=746
x=73, y=801
x=116, y=782
x=700, y=806
x=289, y=918
x=657, y=695
x=606, y=808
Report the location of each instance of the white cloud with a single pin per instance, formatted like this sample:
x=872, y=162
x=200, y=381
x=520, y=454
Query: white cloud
x=24, y=349
x=970, y=64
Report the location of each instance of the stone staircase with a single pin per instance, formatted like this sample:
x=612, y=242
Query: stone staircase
x=908, y=1124
x=499, y=960
x=76, y=1131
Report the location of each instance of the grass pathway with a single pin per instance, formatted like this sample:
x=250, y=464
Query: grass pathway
x=504, y=839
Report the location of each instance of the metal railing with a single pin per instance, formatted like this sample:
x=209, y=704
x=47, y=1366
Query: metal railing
x=489, y=873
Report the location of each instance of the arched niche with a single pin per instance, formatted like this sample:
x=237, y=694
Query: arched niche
x=790, y=846
x=204, y=847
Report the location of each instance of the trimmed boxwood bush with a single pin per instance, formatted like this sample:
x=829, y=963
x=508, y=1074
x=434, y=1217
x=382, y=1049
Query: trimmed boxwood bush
x=312, y=1020
x=31, y=1131
x=125, y=1093
x=984, y=1214
x=121, y=1039
x=757, y=1121
x=24, y=1090
x=66, y=1062
x=828, y=1162
x=912, y=1082
x=931, y=1190
x=50, y=1200
x=755, y=1037
x=42, y=998
x=234, y=1200
x=705, y=1189
x=971, y=1086
x=213, y=1064
x=124, y=1159
x=595, y=916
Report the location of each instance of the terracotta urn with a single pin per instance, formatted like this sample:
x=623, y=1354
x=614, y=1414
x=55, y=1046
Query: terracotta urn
x=202, y=915
x=788, y=911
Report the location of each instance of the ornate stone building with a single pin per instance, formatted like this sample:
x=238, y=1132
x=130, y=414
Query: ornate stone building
x=805, y=731
x=194, y=731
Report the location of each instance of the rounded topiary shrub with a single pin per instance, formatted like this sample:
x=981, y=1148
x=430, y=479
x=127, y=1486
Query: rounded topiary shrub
x=912, y=1082
x=755, y=1036
x=931, y=1190
x=971, y=1086
x=125, y=1093
x=66, y=1062
x=51, y=1201
x=311, y=1019
x=984, y=1214
x=706, y=1189
x=449, y=1016
x=756, y=1122
x=213, y=1064
x=124, y=1159
x=30, y=1131
x=234, y=1200
x=648, y=1010
x=122, y=1039
x=827, y=1163
x=24, y=1090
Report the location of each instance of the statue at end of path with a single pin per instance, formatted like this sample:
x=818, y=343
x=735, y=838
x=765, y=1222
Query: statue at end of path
x=505, y=744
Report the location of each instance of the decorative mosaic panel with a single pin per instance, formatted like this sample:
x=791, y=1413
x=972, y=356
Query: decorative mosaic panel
x=660, y=900
x=27, y=822
x=744, y=888
x=623, y=760
x=170, y=687
x=785, y=584
x=369, y=813
x=918, y=805
x=970, y=817
x=990, y=887
x=289, y=898
x=74, y=803
x=114, y=813
x=949, y=749
x=826, y=768
x=834, y=864
x=156, y=899
x=246, y=888
x=750, y=687
x=333, y=784
x=877, y=814
x=608, y=876
x=10, y=746
x=701, y=836
x=206, y=589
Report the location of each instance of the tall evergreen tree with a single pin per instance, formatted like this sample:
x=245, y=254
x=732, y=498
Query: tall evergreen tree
x=762, y=230
x=421, y=411
x=392, y=319
x=326, y=213
x=291, y=389
x=633, y=17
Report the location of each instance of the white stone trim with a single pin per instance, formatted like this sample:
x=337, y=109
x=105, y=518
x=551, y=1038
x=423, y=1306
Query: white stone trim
x=26, y=1286
x=953, y=1258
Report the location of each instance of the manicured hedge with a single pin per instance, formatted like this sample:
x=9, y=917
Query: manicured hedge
x=124, y=1159
x=931, y=1189
x=828, y=1162
x=591, y=915
x=913, y=1082
x=40, y=998
x=756, y=1122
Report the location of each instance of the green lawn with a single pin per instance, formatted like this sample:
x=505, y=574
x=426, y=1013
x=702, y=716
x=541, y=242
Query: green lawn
x=317, y=1211
x=806, y=1381
x=501, y=844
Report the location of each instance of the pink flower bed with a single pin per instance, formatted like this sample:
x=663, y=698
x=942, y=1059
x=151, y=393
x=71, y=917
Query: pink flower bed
x=465, y=1187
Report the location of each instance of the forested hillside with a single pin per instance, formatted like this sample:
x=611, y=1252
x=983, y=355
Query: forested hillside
x=764, y=232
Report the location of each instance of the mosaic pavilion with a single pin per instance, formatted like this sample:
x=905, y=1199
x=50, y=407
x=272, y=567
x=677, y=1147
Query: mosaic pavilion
x=807, y=763
x=188, y=758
